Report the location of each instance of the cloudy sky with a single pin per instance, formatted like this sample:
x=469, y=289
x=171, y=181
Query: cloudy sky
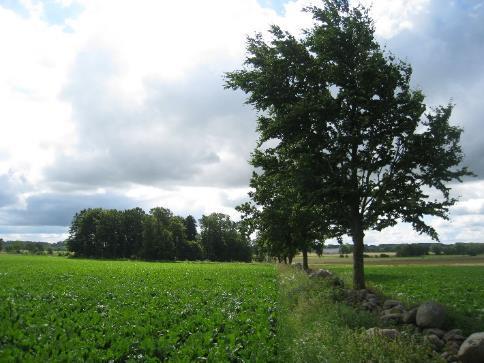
x=119, y=103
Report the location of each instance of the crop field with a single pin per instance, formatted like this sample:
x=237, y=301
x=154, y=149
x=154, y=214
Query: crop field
x=459, y=287
x=78, y=310
x=333, y=259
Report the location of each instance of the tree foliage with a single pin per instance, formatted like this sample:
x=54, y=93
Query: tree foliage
x=157, y=235
x=351, y=136
x=222, y=239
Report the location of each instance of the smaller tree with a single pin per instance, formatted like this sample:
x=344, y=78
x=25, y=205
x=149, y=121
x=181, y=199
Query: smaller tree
x=191, y=228
x=1, y=244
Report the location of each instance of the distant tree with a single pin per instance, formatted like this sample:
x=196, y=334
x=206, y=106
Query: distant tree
x=1, y=244
x=412, y=250
x=179, y=236
x=158, y=241
x=222, y=240
x=191, y=228
x=109, y=241
x=437, y=249
x=132, y=226
x=353, y=135
x=82, y=234
x=345, y=249
x=212, y=236
x=14, y=246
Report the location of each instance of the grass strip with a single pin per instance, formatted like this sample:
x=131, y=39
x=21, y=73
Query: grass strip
x=315, y=325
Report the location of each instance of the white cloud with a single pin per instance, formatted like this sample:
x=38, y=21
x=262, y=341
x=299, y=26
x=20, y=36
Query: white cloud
x=128, y=104
x=392, y=17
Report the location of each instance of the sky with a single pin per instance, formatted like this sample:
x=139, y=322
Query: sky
x=119, y=104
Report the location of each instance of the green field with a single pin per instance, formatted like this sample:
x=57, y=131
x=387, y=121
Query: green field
x=78, y=310
x=92, y=310
x=456, y=282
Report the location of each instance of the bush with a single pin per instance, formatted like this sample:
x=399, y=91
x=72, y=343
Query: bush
x=412, y=250
x=384, y=255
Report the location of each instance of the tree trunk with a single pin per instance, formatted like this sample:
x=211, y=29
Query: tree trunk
x=305, y=259
x=290, y=260
x=358, y=262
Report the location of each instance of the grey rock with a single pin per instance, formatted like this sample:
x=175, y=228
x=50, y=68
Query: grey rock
x=454, y=335
x=361, y=294
x=368, y=306
x=472, y=350
x=452, y=347
x=435, y=342
x=321, y=274
x=430, y=315
x=298, y=265
x=394, y=318
x=388, y=304
x=396, y=310
x=410, y=316
x=391, y=334
x=371, y=296
x=449, y=357
x=439, y=332
x=374, y=301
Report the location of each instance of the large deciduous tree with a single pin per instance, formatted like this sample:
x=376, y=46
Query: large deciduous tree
x=356, y=139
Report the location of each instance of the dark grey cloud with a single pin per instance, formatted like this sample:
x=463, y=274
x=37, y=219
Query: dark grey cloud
x=57, y=209
x=11, y=186
x=181, y=129
x=446, y=50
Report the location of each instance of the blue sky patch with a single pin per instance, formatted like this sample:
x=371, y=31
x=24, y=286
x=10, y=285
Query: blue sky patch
x=277, y=5
x=16, y=6
x=54, y=12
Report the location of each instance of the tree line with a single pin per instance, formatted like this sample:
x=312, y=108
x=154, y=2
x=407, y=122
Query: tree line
x=31, y=247
x=157, y=235
x=345, y=144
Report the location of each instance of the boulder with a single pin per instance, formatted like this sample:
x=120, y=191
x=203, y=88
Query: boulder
x=391, y=334
x=430, y=315
x=321, y=274
x=392, y=318
x=448, y=357
x=435, y=342
x=361, y=294
x=298, y=265
x=410, y=316
x=472, y=350
x=395, y=310
x=454, y=335
x=388, y=304
x=439, y=332
x=371, y=296
x=452, y=347
x=373, y=299
x=368, y=306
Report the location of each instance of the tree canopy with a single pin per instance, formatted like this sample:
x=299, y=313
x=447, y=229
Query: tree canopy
x=340, y=123
x=157, y=235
